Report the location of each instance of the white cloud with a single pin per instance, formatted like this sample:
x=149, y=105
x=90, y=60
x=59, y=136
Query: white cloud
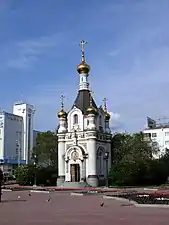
x=28, y=52
x=114, y=116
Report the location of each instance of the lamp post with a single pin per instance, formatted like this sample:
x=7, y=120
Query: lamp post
x=106, y=157
x=1, y=180
x=18, y=145
x=35, y=170
x=18, y=148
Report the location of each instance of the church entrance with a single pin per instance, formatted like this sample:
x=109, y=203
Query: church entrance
x=75, y=172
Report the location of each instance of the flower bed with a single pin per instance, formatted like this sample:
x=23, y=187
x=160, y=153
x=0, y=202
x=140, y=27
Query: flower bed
x=157, y=197
x=81, y=190
x=85, y=190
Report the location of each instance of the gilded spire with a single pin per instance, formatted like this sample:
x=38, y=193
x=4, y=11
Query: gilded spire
x=83, y=43
x=62, y=101
x=107, y=115
x=105, y=104
x=62, y=113
x=83, y=67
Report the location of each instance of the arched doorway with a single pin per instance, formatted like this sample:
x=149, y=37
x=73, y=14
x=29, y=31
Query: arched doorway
x=75, y=166
x=75, y=172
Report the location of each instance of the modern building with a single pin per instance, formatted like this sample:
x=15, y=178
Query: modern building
x=27, y=112
x=84, y=138
x=11, y=141
x=158, y=132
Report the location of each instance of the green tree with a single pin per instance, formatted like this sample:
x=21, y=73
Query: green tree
x=45, y=153
x=25, y=174
x=29, y=174
x=131, y=156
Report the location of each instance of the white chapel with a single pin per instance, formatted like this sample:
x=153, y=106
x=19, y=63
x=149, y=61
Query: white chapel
x=84, y=137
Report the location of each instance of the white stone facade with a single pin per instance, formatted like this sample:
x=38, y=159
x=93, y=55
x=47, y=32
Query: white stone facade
x=85, y=148
x=84, y=138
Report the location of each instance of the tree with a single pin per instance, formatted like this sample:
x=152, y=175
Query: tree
x=25, y=174
x=45, y=153
x=131, y=148
x=30, y=175
x=131, y=156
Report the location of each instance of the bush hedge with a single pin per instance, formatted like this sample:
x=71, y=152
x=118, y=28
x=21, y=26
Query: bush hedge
x=29, y=175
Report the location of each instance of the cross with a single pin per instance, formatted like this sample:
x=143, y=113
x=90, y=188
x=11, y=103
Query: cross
x=62, y=101
x=105, y=104
x=83, y=43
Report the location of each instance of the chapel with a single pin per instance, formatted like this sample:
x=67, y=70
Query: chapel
x=84, y=137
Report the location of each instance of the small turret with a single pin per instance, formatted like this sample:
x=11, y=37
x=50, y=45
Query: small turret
x=107, y=116
x=62, y=115
x=92, y=112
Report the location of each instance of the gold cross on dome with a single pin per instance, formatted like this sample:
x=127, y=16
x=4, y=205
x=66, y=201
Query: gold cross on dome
x=83, y=43
x=105, y=104
x=62, y=101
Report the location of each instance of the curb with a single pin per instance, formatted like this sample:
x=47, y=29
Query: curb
x=76, y=194
x=59, y=189
x=38, y=191
x=6, y=190
x=150, y=206
x=119, y=199
x=135, y=203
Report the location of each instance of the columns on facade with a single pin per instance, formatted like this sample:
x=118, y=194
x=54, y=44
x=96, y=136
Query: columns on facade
x=92, y=161
x=61, y=160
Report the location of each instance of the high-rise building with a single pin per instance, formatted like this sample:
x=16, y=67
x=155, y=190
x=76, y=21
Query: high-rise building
x=11, y=141
x=27, y=112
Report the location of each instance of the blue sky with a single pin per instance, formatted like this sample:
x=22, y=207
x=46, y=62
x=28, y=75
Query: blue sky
x=128, y=50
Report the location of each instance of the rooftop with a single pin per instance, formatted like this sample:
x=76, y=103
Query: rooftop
x=157, y=123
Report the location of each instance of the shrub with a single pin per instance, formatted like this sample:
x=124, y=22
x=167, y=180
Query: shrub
x=25, y=175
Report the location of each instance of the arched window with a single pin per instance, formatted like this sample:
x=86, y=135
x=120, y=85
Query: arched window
x=100, y=120
x=87, y=122
x=100, y=161
x=75, y=119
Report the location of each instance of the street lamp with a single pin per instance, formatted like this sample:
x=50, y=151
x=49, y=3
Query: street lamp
x=18, y=145
x=35, y=170
x=106, y=157
x=1, y=180
x=18, y=149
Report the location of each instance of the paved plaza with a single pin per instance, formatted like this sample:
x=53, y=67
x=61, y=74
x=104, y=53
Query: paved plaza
x=66, y=209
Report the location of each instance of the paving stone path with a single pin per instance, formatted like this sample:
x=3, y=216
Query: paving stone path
x=62, y=208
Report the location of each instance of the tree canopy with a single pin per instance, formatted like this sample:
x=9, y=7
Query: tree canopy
x=45, y=153
x=133, y=162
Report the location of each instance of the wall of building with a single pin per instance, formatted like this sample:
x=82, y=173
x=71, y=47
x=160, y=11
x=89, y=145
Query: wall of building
x=160, y=136
x=26, y=111
x=11, y=138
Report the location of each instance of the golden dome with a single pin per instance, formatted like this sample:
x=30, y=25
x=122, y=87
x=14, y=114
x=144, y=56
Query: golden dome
x=83, y=67
x=62, y=114
x=91, y=110
x=107, y=116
